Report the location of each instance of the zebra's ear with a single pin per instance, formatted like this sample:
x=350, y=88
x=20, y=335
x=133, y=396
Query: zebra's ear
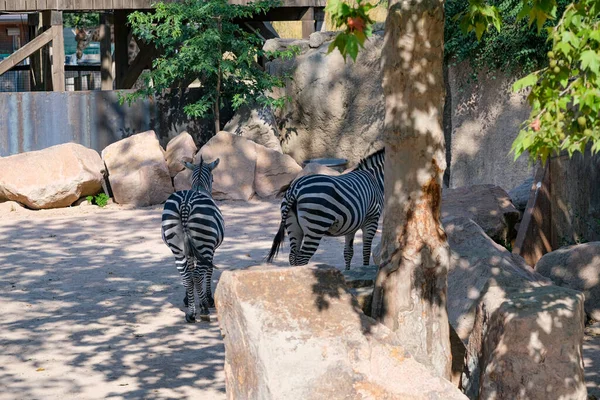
x=213, y=164
x=188, y=165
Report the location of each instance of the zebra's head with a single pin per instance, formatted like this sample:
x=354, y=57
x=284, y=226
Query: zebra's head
x=202, y=177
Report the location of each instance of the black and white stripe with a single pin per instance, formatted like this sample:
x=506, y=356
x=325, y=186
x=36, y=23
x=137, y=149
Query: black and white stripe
x=192, y=227
x=320, y=205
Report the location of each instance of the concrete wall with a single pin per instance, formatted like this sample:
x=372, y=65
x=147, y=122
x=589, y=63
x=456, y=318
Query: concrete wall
x=36, y=120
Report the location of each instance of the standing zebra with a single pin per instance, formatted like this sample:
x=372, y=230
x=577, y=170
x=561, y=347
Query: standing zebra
x=192, y=227
x=320, y=205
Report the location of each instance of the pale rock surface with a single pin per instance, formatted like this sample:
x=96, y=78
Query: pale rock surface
x=234, y=177
x=10, y=206
x=315, y=168
x=183, y=180
x=51, y=178
x=274, y=171
x=181, y=148
x=576, y=267
x=137, y=170
x=296, y=333
x=256, y=124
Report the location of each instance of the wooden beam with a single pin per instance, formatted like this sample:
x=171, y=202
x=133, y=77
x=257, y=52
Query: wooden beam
x=36, y=58
x=105, y=52
x=25, y=51
x=308, y=22
x=58, y=59
x=121, y=56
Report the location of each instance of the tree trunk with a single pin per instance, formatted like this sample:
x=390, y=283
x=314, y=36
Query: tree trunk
x=410, y=291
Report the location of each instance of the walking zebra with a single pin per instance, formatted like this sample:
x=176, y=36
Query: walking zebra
x=192, y=227
x=320, y=205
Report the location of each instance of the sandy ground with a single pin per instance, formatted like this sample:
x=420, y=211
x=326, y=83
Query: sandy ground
x=91, y=304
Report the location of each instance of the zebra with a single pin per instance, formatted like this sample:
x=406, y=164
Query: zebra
x=193, y=227
x=320, y=205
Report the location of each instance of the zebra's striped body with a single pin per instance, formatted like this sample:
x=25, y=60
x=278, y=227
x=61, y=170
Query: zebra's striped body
x=320, y=205
x=192, y=227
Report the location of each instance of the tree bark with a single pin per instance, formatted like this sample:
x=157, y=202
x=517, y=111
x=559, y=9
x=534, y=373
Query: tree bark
x=410, y=291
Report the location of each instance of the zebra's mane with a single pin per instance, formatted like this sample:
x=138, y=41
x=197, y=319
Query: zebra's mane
x=362, y=163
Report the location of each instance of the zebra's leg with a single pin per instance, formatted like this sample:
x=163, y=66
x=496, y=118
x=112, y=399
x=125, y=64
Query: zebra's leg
x=295, y=234
x=208, y=285
x=200, y=274
x=349, y=250
x=369, y=231
x=185, y=267
x=309, y=247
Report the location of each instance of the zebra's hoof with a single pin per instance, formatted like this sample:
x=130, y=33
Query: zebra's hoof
x=190, y=318
x=185, y=301
x=205, y=315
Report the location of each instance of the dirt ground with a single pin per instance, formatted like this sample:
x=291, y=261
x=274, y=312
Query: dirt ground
x=91, y=304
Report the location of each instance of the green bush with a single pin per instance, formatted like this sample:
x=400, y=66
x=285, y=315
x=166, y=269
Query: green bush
x=516, y=47
x=100, y=200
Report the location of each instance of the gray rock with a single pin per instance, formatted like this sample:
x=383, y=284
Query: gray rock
x=256, y=124
x=576, y=267
x=336, y=107
x=274, y=171
x=234, y=177
x=181, y=148
x=296, y=333
x=520, y=195
x=488, y=205
x=316, y=39
x=51, y=178
x=137, y=170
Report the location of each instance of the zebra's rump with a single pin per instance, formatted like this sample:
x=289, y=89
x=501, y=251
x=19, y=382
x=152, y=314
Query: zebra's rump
x=195, y=213
x=335, y=205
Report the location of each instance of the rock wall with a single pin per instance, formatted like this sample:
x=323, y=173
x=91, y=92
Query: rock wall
x=337, y=110
x=485, y=117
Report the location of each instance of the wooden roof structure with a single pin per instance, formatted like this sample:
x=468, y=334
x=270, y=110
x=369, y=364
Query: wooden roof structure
x=102, y=5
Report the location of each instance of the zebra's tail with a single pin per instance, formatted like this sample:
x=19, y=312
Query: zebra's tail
x=277, y=242
x=191, y=251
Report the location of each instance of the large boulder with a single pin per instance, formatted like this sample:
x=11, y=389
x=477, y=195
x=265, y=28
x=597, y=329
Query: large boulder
x=316, y=168
x=488, y=205
x=295, y=333
x=576, y=267
x=517, y=325
x=50, y=178
x=256, y=124
x=336, y=108
x=475, y=261
x=526, y=344
x=181, y=148
x=274, y=171
x=137, y=170
x=183, y=180
x=234, y=177
x=519, y=195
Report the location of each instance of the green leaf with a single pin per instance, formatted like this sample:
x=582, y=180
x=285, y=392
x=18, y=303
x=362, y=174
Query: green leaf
x=525, y=82
x=590, y=60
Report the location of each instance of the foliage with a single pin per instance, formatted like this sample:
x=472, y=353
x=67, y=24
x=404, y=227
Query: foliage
x=100, y=200
x=201, y=40
x=81, y=20
x=565, y=95
x=515, y=47
x=357, y=22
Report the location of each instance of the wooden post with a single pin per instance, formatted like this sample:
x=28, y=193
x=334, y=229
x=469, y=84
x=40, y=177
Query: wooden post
x=308, y=22
x=319, y=18
x=53, y=20
x=36, y=64
x=121, y=47
x=105, y=52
